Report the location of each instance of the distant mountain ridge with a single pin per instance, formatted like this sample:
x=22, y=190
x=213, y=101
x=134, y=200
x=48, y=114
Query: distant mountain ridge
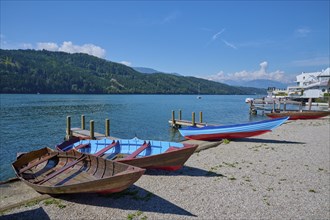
x=258, y=83
x=147, y=70
x=32, y=71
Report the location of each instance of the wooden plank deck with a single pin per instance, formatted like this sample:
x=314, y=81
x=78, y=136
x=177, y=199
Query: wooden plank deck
x=179, y=123
x=81, y=133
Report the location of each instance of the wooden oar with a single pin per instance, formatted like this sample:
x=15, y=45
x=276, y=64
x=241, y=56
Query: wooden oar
x=139, y=150
x=82, y=157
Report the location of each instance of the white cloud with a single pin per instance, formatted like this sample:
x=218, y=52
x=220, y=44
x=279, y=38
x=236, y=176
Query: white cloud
x=47, y=46
x=90, y=49
x=170, y=17
x=3, y=41
x=217, y=35
x=126, y=63
x=214, y=37
x=302, y=32
x=4, y=44
x=244, y=75
x=69, y=47
x=229, y=44
x=26, y=46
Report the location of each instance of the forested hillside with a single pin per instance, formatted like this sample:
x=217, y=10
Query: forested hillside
x=31, y=71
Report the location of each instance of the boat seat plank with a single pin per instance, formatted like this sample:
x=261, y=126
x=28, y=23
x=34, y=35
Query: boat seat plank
x=139, y=150
x=63, y=169
x=43, y=175
x=82, y=146
x=102, y=151
x=71, y=177
x=37, y=163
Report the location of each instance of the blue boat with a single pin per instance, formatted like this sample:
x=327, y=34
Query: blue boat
x=149, y=154
x=231, y=131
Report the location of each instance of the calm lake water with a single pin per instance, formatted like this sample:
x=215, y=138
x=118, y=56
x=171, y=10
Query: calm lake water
x=30, y=122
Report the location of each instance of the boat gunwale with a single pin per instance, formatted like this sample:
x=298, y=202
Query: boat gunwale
x=192, y=128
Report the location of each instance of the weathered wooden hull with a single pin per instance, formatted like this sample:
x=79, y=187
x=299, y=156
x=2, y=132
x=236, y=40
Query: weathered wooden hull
x=171, y=160
x=73, y=172
x=231, y=131
x=154, y=156
x=295, y=115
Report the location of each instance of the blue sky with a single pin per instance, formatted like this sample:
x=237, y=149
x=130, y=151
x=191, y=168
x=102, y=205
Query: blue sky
x=218, y=40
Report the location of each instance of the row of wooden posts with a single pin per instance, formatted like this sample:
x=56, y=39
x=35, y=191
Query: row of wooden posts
x=179, y=122
x=254, y=105
x=192, y=116
x=175, y=123
x=91, y=127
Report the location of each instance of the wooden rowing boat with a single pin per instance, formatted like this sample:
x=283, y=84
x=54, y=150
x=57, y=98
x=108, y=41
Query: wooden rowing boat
x=231, y=131
x=53, y=172
x=136, y=152
x=295, y=115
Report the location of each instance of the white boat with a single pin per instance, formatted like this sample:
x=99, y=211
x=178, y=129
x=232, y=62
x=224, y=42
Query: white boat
x=248, y=100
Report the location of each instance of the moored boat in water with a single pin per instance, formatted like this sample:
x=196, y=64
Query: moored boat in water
x=231, y=131
x=53, y=172
x=149, y=154
x=295, y=115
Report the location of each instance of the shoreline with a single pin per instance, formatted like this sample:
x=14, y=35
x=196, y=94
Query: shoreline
x=280, y=174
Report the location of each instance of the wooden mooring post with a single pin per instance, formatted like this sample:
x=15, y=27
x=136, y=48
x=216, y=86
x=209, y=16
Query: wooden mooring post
x=83, y=122
x=253, y=110
x=173, y=118
x=68, y=128
x=193, y=123
x=310, y=104
x=107, y=127
x=91, y=129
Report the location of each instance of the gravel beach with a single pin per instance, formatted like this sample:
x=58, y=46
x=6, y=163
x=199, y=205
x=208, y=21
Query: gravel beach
x=284, y=174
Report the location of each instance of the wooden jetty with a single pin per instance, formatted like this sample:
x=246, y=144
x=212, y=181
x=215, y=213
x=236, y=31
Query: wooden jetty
x=83, y=133
x=86, y=134
x=272, y=106
x=178, y=123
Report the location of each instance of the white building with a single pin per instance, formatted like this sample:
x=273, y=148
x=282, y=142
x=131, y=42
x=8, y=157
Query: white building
x=311, y=85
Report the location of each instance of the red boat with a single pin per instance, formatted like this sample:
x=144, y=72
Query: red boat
x=295, y=115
